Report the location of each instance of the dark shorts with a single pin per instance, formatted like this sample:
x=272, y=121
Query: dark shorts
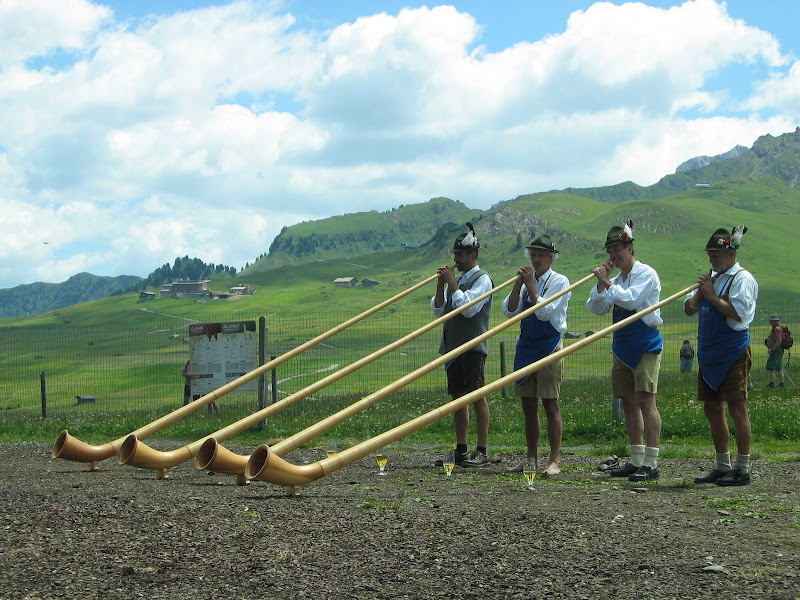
x=775, y=360
x=466, y=374
x=734, y=386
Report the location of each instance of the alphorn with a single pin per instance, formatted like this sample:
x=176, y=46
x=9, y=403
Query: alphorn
x=137, y=454
x=71, y=448
x=265, y=465
x=213, y=456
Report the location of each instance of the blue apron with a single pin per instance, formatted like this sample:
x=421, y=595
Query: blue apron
x=537, y=339
x=718, y=346
x=633, y=341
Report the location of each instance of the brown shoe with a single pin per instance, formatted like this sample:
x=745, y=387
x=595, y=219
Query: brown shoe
x=476, y=459
x=515, y=469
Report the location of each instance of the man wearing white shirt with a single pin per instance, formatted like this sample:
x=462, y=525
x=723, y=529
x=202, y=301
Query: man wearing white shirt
x=465, y=373
x=540, y=336
x=637, y=348
x=725, y=304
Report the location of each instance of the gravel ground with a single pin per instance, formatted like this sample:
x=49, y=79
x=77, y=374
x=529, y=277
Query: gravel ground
x=122, y=533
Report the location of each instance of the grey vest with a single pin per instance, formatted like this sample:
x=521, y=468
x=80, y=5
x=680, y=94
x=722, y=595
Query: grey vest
x=460, y=329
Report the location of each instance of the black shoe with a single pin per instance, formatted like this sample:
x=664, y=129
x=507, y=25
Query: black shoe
x=710, y=477
x=460, y=457
x=644, y=474
x=771, y=385
x=780, y=384
x=625, y=471
x=734, y=477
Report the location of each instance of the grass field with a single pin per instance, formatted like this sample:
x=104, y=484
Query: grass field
x=129, y=355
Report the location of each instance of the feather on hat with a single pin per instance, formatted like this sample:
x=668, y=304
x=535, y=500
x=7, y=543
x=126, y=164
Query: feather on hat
x=722, y=239
x=466, y=241
x=620, y=234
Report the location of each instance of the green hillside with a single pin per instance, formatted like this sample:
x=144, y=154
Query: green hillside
x=361, y=233
x=670, y=235
x=33, y=298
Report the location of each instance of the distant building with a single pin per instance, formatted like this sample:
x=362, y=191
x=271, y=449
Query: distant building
x=368, y=283
x=146, y=296
x=702, y=186
x=185, y=289
x=407, y=245
x=241, y=290
x=345, y=282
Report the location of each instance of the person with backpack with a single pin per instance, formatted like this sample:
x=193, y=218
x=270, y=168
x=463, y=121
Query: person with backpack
x=725, y=303
x=775, y=348
x=687, y=357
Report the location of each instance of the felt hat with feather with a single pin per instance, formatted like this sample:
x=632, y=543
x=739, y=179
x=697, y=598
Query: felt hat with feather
x=466, y=241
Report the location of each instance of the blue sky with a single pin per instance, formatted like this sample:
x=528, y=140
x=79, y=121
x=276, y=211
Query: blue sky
x=135, y=132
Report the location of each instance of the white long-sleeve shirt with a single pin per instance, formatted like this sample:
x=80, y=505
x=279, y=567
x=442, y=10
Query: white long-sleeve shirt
x=742, y=295
x=556, y=311
x=639, y=290
x=481, y=286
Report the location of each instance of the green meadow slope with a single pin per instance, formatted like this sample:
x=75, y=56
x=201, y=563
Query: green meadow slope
x=670, y=235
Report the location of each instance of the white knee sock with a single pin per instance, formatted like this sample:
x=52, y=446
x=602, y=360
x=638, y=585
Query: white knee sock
x=637, y=455
x=723, y=461
x=650, y=457
x=743, y=462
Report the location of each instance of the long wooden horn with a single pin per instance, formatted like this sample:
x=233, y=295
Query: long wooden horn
x=137, y=454
x=71, y=448
x=215, y=457
x=265, y=465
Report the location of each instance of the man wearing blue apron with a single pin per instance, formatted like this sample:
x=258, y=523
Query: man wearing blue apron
x=725, y=304
x=465, y=372
x=540, y=336
x=636, y=347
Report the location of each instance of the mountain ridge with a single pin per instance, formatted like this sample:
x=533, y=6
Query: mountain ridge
x=759, y=180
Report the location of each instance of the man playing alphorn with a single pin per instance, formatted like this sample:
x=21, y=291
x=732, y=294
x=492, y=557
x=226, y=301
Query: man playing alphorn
x=540, y=336
x=725, y=304
x=636, y=347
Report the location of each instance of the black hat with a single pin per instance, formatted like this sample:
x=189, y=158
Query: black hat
x=620, y=234
x=722, y=239
x=467, y=241
x=543, y=242
x=774, y=318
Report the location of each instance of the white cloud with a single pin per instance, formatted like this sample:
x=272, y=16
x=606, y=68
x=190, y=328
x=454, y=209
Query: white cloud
x=35, y=28
x=124, y=145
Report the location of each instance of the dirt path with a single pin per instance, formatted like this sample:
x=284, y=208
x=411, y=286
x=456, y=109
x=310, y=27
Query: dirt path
x=122, y=533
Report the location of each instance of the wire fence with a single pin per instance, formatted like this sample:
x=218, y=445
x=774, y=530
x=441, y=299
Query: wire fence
x=73, y=373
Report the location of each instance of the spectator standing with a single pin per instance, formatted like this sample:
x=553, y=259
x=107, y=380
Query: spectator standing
x=687, y=357
x=775, y=348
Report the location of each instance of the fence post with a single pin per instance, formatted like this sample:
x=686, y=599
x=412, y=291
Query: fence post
x=262, y=355
x=503, y=365
x=274, y=384
x=616, y=409
x=44, y=396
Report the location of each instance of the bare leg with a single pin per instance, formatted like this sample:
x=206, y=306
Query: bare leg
x=533, y=428
x=482, y=420
x=715, y=413
x=461, y=424
x=650, y=416
x=741, y=423
x=634, y=423
x=554, y=431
